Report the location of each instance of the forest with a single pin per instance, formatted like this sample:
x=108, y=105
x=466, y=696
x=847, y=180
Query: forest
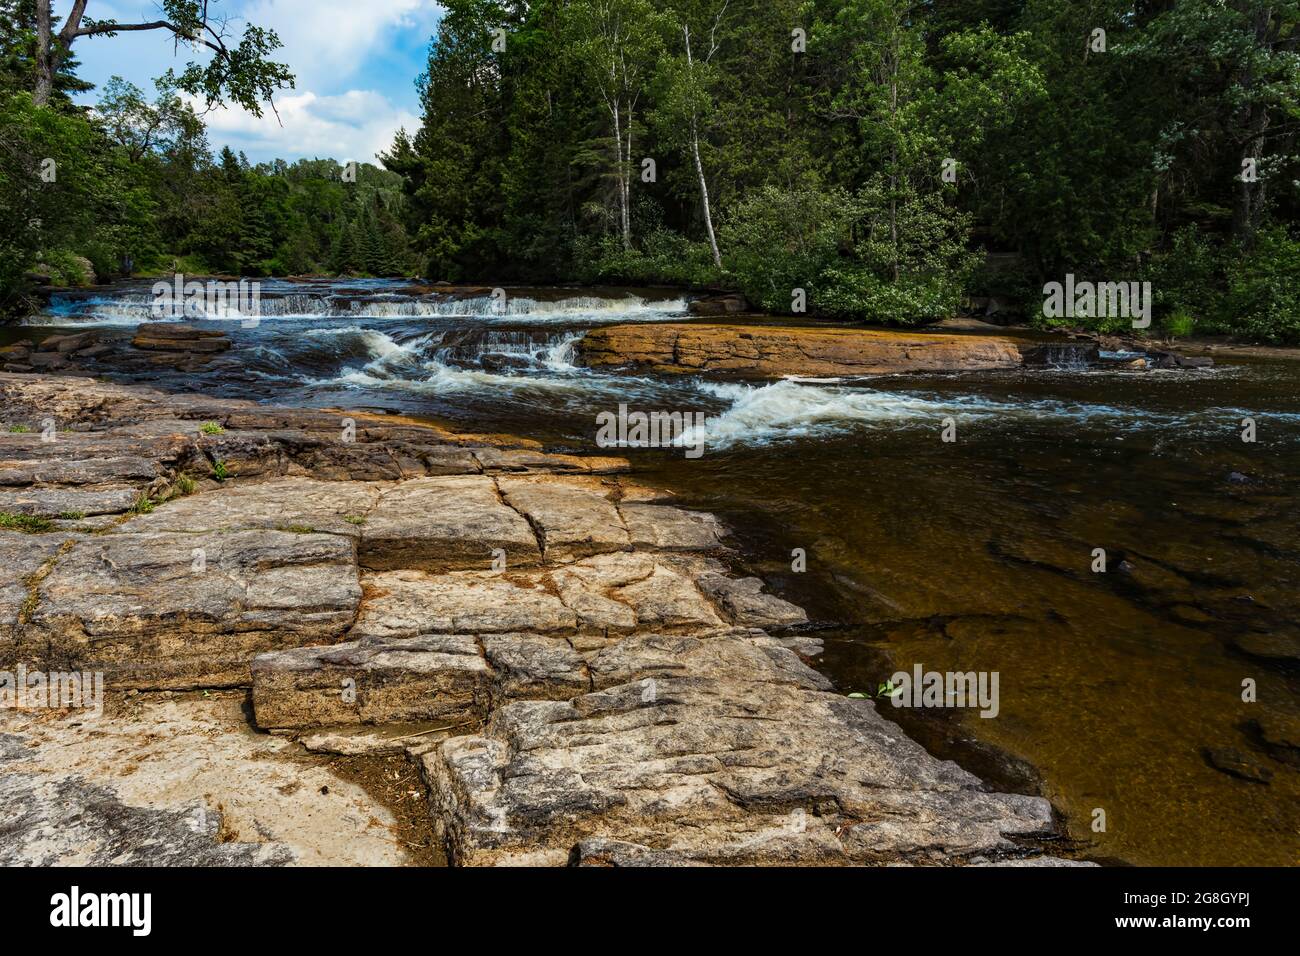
x=891, y=159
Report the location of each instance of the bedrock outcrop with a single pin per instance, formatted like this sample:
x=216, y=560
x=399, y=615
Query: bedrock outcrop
x=760, y=351
x=567, y=660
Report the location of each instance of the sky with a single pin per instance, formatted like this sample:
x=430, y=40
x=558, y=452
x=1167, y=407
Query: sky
x=355, y=60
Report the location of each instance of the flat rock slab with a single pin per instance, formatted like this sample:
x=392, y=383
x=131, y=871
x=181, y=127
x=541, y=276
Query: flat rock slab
x=179, y=610
x=402, y=604
x=69, y=502
x=593, y=598
x=440, y=524
x=421, y=679
x=299, y=505
x=523, y=461
x=737, y=759
x=88, y=458
x=452, y=679
x=572, y=519
x=618, y=592
x=743, y=602
x=22, y=556
x=666, y=528
x=182, y=781
x=774, y=352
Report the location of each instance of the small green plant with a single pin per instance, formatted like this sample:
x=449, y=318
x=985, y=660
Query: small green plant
x=887, y=689
x=18, y=429
x=30, y=524
x=296, y=528
x=211, y=428
x=1179, y=324
x=143, y=505
x=72, y=516
x=183, y=485
x=354, y=519
x=219, y=470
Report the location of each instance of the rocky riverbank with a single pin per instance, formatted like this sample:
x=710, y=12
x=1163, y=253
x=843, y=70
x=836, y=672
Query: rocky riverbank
x=759, y=351
x=563, y=659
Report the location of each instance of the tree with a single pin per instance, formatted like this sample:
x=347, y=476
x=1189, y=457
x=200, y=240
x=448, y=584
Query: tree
x=685, y=99
x=139, y=127
x=240, y=72
x=619, y=43
x=18, y=55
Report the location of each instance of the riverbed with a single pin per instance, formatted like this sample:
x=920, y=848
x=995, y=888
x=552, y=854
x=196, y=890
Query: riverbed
x=1120, y=691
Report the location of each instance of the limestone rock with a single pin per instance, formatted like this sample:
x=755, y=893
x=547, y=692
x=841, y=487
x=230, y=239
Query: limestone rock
x=667, y=528
x=421, y=679
x=22, y=558
x=533, y=667
x=179, y=337
x=438, y=524
x=298, y=505
x=744, y=602
x=54, y=502
x=402, y=604
x=572, y=520
x=69, y=821
x=708, y=766
x=164, y=609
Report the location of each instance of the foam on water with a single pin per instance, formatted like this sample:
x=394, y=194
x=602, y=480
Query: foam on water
x=792, y=409
x=132, y=308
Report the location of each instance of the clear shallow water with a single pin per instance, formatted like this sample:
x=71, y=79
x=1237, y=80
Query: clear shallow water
x=970, y=555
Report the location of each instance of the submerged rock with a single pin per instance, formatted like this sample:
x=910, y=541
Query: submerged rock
x=1237, y=764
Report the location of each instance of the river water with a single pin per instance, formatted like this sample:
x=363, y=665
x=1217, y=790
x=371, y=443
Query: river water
x=1119, y=692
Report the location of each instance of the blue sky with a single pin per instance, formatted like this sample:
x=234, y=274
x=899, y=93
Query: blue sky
x=356, y=62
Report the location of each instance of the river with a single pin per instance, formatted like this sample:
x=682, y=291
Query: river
x=1119, y=691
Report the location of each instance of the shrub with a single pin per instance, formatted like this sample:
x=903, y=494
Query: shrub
x=1262, y=300
x=663, y=258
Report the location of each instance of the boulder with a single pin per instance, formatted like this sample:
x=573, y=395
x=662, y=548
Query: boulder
x=727, y=304
x=68, y=343
x=179, y=337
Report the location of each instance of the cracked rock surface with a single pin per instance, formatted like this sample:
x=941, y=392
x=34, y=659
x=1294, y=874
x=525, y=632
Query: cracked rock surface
x=565, y=656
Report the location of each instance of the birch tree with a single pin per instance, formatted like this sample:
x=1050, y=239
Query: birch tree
x=619, y=42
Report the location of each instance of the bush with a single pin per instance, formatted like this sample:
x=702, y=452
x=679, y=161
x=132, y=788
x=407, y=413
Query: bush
x=839, y=247
x=1262, y=300
x=1178, y=324
x=849, y=291
x=66, y=268
x=665, y=257
x=777, y=240
x=1187, y=279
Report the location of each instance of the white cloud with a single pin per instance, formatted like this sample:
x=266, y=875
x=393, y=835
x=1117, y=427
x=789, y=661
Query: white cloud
x=328, y=41
x=349, y=126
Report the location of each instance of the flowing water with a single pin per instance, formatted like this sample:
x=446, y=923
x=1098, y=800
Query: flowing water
x=968, y=555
